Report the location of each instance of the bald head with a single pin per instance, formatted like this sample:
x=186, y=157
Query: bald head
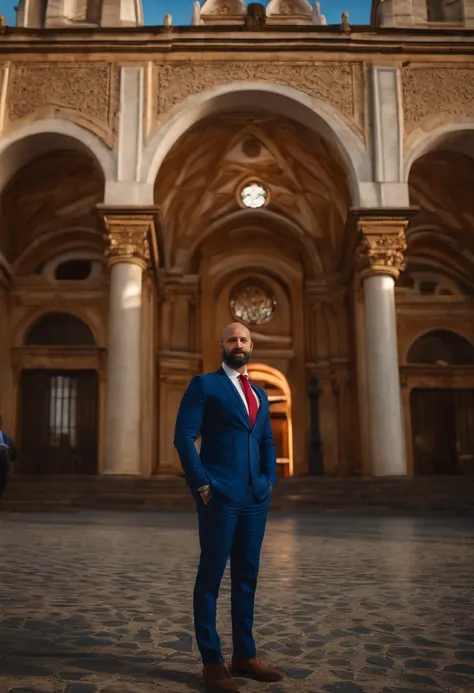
x=236, y=346
x=235, y=328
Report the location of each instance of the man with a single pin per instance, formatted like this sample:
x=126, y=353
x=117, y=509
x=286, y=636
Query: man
x=8, y=453
x=231, y=480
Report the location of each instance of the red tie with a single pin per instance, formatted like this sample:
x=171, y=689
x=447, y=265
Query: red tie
x=250, y=397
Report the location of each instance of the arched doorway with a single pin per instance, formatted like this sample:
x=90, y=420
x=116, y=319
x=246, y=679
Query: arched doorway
x=279, y=396
x=442, y=415
x=59, y=408
x=435, y=300
x=254, y=212
x=52, y=177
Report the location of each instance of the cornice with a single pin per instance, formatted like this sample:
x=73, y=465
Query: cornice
x=158, y=40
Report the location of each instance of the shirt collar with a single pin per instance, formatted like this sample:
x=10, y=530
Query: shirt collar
x=230, y=372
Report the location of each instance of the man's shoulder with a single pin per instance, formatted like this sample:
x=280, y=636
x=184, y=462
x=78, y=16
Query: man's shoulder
x=207, y=376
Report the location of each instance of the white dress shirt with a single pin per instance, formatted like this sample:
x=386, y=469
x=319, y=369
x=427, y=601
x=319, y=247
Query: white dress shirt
x=234, y=379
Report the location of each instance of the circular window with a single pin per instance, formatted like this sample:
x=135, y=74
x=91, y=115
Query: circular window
x=252, y=302
x=254, y=195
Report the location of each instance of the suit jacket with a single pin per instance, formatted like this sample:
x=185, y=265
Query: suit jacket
x=233, y=455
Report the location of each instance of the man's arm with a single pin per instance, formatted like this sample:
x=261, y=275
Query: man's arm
x=268, y=459
x=187, y=430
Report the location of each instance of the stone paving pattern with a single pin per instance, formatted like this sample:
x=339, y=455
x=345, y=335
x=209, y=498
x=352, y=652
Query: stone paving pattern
x=96, y=602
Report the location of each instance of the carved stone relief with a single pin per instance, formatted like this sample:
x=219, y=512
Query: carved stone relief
x=252, y=302
x=381, y=247
x=217, y=7
x=128, y=238
x=289, y=7
x=330, y=82
x=90, y=90
x=437, y=91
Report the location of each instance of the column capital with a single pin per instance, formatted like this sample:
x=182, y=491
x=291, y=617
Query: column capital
x=381, y=240
x=131, y=234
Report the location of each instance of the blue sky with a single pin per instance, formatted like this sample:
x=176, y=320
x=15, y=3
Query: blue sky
x=155, y=10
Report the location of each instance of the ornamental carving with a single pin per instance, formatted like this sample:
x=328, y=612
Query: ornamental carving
x=87, y=89
x=381, y=247
x=330, y=82
x=252, y=302
x=437, y=91
x=128, y=239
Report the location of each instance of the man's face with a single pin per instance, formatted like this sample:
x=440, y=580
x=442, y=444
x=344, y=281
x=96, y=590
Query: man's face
x=236, y=346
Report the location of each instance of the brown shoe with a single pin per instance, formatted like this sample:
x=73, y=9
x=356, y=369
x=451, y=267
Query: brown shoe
x=218, y=680
x=254, y=669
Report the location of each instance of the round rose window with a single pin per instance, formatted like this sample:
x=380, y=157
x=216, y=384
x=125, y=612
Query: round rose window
x=252, y=302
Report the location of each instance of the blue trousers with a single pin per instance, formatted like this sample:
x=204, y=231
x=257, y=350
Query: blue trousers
x=235, y=530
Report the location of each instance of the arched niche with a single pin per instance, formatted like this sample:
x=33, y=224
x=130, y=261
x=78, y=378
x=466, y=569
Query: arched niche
x=279, y=396
x=441, y=347
x=59, y=329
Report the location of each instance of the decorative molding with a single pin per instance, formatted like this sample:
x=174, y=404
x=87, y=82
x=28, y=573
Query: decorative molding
x=333, y=83
x=381, y=246
x=437, y=90
x=89, y=90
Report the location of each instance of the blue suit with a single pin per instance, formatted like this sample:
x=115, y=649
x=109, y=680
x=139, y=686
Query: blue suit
x=239, y=463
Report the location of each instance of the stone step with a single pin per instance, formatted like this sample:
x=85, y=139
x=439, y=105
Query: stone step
x=30, y=493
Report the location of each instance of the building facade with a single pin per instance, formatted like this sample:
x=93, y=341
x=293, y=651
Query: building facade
x=312, y=181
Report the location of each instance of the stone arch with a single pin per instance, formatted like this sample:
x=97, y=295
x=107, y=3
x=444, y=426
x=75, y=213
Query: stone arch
x=59, y=329
x=309, y=255
x=28, y=323
x=59, y=243
x=448, y=134
x=26, y=143
x=441, y=345
x=290, y=102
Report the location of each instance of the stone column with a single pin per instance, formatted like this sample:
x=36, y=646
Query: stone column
x=380, y=259
x=128, y=253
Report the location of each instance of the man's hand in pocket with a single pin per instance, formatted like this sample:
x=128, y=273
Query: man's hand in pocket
x=206, y=494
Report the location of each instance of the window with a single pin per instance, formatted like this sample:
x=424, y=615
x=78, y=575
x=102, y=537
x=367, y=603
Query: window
x=60, y=329
x=254, y=195
x=252, y=302
x=62, y=411
x=442, y=347
x=73, y=270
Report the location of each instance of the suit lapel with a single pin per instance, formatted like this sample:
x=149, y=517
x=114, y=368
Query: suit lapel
x=258, y=392
x=232, y=393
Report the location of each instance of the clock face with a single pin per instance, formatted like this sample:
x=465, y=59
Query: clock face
x=254, y=195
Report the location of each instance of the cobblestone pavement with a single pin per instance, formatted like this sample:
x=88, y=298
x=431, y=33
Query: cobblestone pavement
x=101, y=603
